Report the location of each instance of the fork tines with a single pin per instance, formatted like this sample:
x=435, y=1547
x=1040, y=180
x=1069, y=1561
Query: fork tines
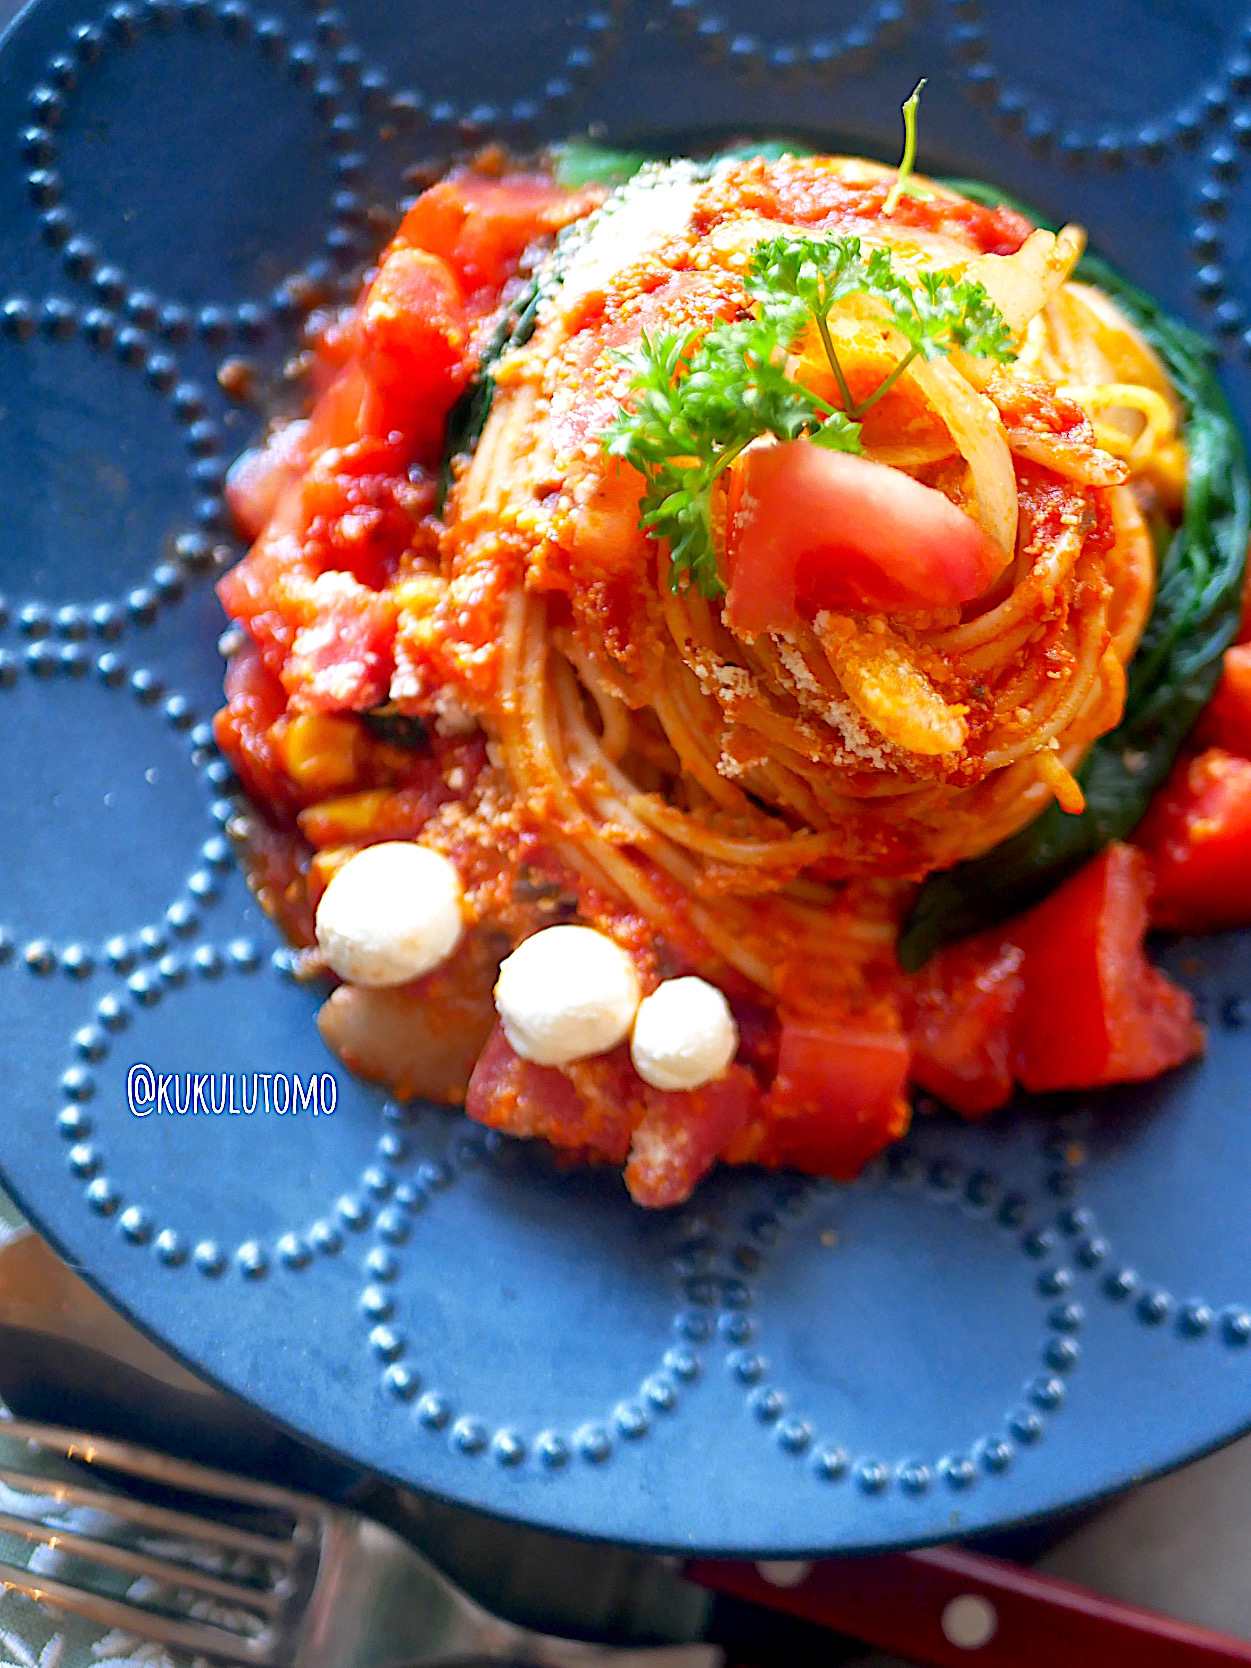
x=218, y=1575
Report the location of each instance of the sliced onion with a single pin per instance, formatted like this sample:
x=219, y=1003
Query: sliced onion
x=906, y=456
x=1075, y=460
x=973, y=422
x=1021, y=285
x=885, y=682
x=976, y=427
x=917, y=249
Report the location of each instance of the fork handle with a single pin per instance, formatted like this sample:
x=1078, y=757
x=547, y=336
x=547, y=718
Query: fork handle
x=947, y=1608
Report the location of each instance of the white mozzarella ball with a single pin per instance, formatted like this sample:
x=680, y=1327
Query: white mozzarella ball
x=392, y=913
x=565, y=993
x=684, y=1035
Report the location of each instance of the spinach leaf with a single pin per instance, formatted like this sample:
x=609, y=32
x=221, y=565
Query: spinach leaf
x=768, y=150
x=579, y=162
x=1172, y=676
x=467, y=418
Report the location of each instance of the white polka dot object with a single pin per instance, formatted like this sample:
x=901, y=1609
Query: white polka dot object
x=969, y=1622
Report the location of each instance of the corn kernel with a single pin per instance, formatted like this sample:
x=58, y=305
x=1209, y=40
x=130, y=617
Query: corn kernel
x=319, y=750
x=1166, y=470
x=337, y=822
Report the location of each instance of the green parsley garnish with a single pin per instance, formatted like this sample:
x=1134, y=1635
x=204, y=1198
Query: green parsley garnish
x=907, y=162
x=695, y=404
x=933, y=315
x=694, y=409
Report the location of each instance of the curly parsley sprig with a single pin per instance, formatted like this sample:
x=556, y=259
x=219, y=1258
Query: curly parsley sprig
x=694, y=405
x=933, y=314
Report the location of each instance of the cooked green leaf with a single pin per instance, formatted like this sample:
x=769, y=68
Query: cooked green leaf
x=692, y=411
x=578, y=163
x=467, y=418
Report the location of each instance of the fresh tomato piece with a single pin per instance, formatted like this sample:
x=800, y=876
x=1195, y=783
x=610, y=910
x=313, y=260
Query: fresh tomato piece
x=343, y=661
x=1198, y=838
x=255, y=700
x=589, y=1107
x=1226, y=720
x=414, y=347
x=816, y=529
x=1093, y=1009
x=838, y=1097
x=683, y=1133
x=480, y=226
x=964, y=1002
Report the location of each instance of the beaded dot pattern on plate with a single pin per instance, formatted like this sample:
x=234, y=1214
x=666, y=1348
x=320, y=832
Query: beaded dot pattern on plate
x=351, y=1232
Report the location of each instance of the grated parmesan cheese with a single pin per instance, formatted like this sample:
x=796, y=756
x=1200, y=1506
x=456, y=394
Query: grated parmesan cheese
x=635, y=221
x=844, y=718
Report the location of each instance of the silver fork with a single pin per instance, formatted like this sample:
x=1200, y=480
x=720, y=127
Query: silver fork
x=296, y=1584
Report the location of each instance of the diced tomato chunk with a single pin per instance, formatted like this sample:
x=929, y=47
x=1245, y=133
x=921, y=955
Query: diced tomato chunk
x=1093, y=1009
x=414, y=347
x=480, y=226
x=254, y=701
x=259, y=477
x=964, y=1002
x=434, y=221
x=1198, y=838
x=682, y=1135
x=511, y=1094
x=818, y=529
x=343, y=661
x=335, y=419
x=758, y=1038
x=589, y=1107
x=1226, y=720
x=838, y=1097
x=602, y=1108
x=248, y=682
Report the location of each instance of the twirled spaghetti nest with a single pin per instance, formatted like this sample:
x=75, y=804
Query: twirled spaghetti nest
x=761, y=799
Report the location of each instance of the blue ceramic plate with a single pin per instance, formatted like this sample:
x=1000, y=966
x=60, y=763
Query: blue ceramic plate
x=996, y=1322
